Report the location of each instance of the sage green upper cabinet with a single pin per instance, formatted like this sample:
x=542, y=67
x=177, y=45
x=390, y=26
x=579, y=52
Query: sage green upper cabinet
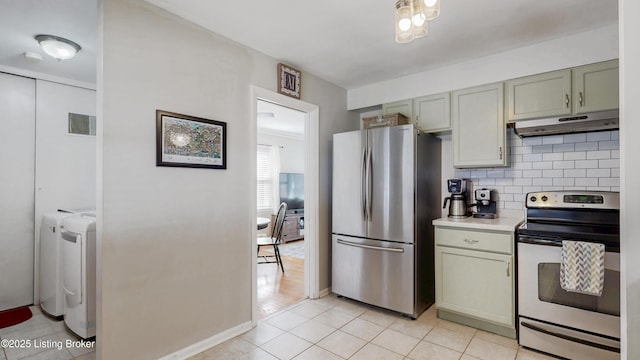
x=404, y=107
x=595, y=87
x=538, y=96
x=433, y=112
x=478, y=128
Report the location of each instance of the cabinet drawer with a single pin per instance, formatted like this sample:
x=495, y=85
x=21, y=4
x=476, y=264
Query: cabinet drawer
x=477, y=240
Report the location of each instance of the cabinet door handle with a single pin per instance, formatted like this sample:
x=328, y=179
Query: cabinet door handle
x=500, y=152
x=508, y=268
x=581, y=99
x=566, y=100
x=470, y=241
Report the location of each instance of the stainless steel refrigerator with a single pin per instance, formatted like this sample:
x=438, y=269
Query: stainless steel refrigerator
x=386, y=192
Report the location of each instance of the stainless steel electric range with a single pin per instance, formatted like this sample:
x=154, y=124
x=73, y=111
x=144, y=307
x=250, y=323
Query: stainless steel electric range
x=550, y=319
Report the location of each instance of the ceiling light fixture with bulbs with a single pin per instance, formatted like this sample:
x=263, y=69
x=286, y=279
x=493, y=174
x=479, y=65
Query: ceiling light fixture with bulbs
x=57, y=47
x=412, y=18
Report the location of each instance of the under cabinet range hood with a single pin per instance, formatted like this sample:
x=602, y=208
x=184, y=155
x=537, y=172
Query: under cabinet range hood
x=597, y=121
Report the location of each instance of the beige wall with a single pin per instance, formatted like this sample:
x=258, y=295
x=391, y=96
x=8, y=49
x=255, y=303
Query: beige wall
x=630, y=173
x=175, y=243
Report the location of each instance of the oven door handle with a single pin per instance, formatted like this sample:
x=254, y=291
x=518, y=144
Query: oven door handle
x=570, y=338
x=540, y=242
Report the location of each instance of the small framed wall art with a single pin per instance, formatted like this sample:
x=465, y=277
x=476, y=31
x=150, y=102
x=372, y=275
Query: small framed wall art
x=189, y=141
x=289, y=81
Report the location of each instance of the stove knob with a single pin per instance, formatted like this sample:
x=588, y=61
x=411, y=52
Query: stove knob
x=533, y=199
x=544, y=198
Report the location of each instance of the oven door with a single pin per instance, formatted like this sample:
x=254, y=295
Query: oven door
x=541, y=297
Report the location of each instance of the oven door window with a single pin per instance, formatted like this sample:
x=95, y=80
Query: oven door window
x=549, y=290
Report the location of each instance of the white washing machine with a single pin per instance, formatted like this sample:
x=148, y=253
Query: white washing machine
x=50, y=274
x=79, y=273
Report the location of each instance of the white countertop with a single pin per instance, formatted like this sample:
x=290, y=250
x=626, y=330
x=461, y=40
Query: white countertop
x=499, y=224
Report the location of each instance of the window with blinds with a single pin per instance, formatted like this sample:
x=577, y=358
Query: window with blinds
x=265, y=178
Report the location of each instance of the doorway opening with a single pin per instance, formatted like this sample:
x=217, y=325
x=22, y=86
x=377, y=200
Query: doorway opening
x=286, y=133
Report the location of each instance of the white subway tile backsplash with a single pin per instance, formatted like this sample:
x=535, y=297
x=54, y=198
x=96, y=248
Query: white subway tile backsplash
x=522, y=166
x=576, y=155
x=602, y=154
x=516, y=205
x=530, y=141
x=478, y=173
x=543, y=181
x=615, y=135
x=563, y=147
x=609, y=181
x=552, y=173
x=513, y=189
x=615, y=172
x=575, y=173
x=512, y=173
x=532, y=157
x=599, y=136
x=586, y=181
x=609, y=163
x=523, y=181
x=486, y=181
x=554, y=139
x=539, y=149
x=564, y=164
x=586, y=164
x=574, y=138
x=552, y=156
x=609, y=145
x=597, y=173
x=504, y=181
x=542, y=165
x=495, y=173
x=587, y=161
x=531, y=174
x=586, y=146
x=563, y=181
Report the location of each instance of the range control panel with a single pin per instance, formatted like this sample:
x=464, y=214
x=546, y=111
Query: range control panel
x=574, y=199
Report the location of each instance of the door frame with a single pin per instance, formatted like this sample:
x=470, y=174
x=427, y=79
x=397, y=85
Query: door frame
x=311, y=191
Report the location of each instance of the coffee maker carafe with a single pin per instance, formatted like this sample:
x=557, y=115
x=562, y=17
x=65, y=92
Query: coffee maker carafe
x=458, y=206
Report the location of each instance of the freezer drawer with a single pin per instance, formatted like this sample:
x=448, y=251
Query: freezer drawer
x=375, y=272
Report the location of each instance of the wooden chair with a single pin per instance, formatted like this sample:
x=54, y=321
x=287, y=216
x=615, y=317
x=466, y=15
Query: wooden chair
x=274, y=240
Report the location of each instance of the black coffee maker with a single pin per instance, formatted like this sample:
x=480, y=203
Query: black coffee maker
x=485, y=204
x=458, y=204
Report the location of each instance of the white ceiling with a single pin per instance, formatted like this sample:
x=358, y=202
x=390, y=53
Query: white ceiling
x=280, y=120
x=76, y=20
x=351, y=43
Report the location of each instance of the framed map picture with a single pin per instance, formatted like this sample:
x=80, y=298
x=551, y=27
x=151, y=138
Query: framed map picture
x=189, y=141
x=289, y=81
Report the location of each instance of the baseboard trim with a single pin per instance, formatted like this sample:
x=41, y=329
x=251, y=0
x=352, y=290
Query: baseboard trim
x=205, y=344
x=324, y=292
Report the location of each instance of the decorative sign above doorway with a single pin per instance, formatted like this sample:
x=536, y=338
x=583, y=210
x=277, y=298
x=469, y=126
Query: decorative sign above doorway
x=289, y=81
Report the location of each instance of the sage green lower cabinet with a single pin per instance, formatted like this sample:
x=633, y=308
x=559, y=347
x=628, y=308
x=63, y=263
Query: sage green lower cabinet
x=475, y=282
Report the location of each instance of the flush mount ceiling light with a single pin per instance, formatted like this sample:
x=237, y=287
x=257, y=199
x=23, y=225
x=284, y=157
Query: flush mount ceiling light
x=412, y=18
x=57, y=47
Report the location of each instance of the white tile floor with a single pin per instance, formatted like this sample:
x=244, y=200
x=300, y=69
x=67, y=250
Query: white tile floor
x=333, y=328
x=42, y=338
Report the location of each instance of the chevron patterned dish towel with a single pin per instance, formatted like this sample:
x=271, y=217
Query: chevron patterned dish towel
x=582, y=267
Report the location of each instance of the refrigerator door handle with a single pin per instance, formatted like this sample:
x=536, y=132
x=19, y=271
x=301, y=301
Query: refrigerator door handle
x=363, y=189
x=349, y=243
x=369, y=183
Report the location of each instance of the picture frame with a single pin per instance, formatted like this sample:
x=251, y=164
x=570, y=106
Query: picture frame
x=189, y=141
x=289, y=81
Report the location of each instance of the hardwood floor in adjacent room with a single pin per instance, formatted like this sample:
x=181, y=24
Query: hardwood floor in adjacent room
x=278, y=291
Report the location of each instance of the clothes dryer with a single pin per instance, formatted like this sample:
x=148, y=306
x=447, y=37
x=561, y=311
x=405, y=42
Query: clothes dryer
x=50, y=272
x=79, y=273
